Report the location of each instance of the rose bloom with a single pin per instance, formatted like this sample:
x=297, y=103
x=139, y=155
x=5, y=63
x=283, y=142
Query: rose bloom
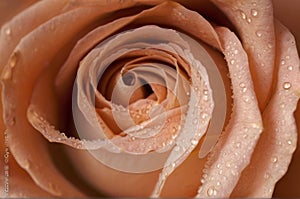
x=149, y=98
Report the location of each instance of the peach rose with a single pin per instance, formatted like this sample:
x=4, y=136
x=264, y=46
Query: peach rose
x=148, y=98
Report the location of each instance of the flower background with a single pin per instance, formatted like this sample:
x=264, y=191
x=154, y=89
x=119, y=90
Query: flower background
x=286, y=11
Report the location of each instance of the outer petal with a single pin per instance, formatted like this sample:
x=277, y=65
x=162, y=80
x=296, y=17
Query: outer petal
x=24, y=69
x=9, y=9
x=274, y=151
x=233, y=150
x=16, y=183
x=254, y=22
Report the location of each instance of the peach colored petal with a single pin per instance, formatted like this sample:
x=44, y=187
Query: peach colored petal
x=254, y=22
x=19, y=184
x=279, y=139
x=26, y=21
x=287, y=186
x=9, y=9
x=167, y=13
x=24, y=73
x=188, y=129
x=233, y=150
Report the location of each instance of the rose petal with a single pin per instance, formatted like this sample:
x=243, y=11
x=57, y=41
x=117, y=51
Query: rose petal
x=9, y=9
x=19, y=184
x=26, y=69
x=279, y=139
x=18, y=27
x=166, y=13
x=231, y=155
x=254, y=22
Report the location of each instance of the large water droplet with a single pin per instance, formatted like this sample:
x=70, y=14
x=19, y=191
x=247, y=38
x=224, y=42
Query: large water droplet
x=211, y=191
x=254, y=13
x=13, y=59
x=287, y=85
x=290, y=67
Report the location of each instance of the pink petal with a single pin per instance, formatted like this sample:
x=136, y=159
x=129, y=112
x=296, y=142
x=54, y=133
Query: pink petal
x=254, y=22
x=233, y=150
x=275, y=148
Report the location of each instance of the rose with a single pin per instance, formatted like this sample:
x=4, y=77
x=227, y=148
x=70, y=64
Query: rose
x=17, y=104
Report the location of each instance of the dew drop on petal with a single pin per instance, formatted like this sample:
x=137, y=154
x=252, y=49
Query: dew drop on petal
x=13, y=59
x=290, y=67
x=249, y=20
x=254, y=12
x=267, y=175
x=258, y=33
x=274, y=159
x=238, y=145
x=211, y=191
x=228, y=165
x=287, y=85
x=8, y=31
x=243, y=15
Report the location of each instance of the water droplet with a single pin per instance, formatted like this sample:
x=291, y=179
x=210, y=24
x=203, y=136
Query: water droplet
x=242, y=84
x=13, y=59
x=287, y=85
x=290, y=67
x=289, y=142
x=177, y=148
x=211, y=191
x=282, y=62
x=267, y=175
x=234, y=173
x=269, y=45
x=246, y=99
x=132, y=138
x=258, y=33
x=254, y=13
x=11, y=121
x=220, y=171
x=8, y=31
x=249, y=20
x=232, y=61
x=243, y=15
x=204, y=115
x=274, y=159
x=228, y=165
x=218, y=183
x=238, y=145
x=194, y=142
